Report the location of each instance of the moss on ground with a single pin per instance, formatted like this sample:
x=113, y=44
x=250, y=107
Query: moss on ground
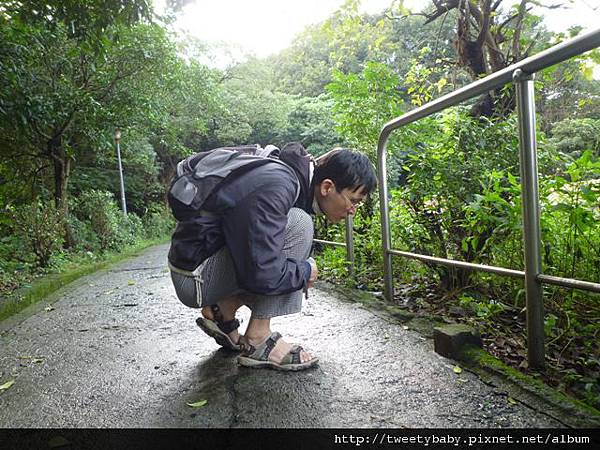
x=486, y=365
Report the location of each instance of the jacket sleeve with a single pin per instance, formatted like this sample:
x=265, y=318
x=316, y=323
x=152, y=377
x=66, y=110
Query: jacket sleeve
x=255, y=233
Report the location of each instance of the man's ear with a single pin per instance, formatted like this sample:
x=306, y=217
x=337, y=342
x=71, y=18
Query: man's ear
x=326, y=186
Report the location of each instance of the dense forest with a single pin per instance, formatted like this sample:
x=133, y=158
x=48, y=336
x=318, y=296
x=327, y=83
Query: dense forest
x=72, y=75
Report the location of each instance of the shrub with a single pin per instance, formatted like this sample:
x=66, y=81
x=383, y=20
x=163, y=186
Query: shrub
x=85, y=238
x=40, y=226
x=158, y=221
x=99, y=210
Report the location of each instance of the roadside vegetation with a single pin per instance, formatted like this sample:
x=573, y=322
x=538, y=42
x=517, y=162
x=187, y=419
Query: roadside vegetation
x=72, y=76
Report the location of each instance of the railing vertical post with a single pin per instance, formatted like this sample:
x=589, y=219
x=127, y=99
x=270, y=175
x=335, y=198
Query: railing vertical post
x=350, y=245
x=531, y=217
x=386, y=242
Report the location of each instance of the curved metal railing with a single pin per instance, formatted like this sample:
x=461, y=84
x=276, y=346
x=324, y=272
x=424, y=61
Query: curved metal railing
x=521, y=74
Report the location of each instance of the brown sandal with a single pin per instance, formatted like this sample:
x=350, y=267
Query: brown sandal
x=257, y=357
x=220, y=329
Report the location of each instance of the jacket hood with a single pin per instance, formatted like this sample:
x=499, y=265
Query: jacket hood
x=295, y=155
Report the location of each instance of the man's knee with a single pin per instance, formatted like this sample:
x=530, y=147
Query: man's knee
x=185, y=289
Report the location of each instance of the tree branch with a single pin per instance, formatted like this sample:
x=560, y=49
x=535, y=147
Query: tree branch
x=442, y=7
x=531, y=44
x=485, y=24
x=516, y=44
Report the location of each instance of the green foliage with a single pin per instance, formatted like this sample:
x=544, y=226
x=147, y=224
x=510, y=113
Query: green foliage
x=41, y=227
x=311, y=122
x=573, y=136
x=91, y=18
x=158, y=221
x=483, y=309
x=363, y=103
x=112, y=228
x=459, y=183
x=420, y=80
x=348, y=40
x=571, y=219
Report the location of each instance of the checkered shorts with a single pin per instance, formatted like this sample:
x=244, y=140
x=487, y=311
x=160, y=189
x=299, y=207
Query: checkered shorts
x=215, y=279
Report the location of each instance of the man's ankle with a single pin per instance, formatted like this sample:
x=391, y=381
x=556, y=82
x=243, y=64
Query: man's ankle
x=256, y=338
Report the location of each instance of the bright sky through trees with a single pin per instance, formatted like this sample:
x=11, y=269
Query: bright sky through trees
x=263, y=27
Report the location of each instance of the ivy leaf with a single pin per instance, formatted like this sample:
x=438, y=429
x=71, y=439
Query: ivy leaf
x=198, y=404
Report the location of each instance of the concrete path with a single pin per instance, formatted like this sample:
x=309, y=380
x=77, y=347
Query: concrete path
x=117, y=349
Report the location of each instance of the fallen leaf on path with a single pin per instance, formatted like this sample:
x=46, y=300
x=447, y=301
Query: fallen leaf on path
x=457, y=370
x=49, y=308
x=34, y=359
x=511, y=400
x=6, y=385
x=197, y=404
x=404, y=327
x=130, y=283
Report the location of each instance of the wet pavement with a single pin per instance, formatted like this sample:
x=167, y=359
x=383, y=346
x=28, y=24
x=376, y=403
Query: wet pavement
x=117, y=349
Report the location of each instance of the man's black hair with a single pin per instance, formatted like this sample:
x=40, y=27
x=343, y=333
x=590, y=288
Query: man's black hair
x=347, y=168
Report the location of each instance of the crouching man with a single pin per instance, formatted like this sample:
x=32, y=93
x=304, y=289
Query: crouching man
x=248, y=238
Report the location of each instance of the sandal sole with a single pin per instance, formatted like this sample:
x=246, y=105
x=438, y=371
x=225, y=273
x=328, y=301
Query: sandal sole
x=256, y=364
x=211, y=328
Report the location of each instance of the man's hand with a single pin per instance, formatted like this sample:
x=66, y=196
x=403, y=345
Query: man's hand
x=314, y=272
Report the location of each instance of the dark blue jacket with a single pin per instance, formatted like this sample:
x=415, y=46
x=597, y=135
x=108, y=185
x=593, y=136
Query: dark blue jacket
x=248, y=213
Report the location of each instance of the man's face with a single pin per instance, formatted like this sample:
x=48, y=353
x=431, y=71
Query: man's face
x=337, y=205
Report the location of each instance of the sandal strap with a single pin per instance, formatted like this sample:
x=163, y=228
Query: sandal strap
x=225, y=326
x=229, y=326
x=293, y=356
x=262, y=351
x=246, y=347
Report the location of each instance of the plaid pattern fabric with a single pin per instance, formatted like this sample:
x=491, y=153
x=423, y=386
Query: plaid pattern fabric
x=219, y=279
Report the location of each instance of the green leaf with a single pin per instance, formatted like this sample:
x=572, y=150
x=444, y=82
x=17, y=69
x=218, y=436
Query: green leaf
x=6, y=385
x=511, y=400
x=464, y=245
x=588, y=73
x=197, y=404
x=457, y=370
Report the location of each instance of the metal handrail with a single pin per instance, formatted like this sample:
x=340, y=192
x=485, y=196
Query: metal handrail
x=521, y=74
x=348, y=244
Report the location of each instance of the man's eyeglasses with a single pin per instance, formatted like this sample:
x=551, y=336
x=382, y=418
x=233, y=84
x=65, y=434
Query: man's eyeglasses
x=354, y=203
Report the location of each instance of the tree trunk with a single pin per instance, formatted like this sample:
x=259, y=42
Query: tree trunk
x=62, y=169
x=454, y=278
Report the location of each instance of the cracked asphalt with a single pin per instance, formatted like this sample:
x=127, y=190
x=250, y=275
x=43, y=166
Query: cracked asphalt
x=117, y=349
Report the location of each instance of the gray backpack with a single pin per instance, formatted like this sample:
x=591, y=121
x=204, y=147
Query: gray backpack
x=199, y=175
